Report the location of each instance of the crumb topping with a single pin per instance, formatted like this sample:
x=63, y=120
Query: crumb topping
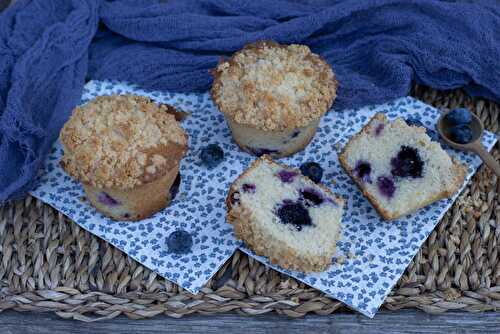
x=274, y=87
x=121, y=141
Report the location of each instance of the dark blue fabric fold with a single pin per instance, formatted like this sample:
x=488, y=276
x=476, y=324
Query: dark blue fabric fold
x=377, y=48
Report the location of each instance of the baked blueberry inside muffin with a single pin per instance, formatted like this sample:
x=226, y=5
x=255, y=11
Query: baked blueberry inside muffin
x=125, y=150
x=273, y=96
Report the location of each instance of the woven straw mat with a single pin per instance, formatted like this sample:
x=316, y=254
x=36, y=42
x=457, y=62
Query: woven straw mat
x=48, y=263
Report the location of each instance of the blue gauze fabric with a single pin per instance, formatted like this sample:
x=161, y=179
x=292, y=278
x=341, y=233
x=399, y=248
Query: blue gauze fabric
x=49, y=47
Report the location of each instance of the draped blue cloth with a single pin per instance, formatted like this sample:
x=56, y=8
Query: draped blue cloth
x=48, y=48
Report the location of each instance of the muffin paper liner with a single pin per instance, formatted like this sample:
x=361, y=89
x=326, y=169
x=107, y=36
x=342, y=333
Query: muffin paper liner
x=372, y=254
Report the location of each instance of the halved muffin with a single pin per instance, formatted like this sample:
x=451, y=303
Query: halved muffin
x=399, y=168
x=285, y=216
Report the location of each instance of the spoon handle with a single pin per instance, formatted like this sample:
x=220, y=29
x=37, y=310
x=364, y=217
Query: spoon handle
x=487, y=158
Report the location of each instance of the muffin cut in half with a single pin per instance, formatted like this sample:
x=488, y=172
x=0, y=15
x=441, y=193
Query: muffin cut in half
x=125, y=150
x=273, y=96
x=399, y=168
x=284, y=216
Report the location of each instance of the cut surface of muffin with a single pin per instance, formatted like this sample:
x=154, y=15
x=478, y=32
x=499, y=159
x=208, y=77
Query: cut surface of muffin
x=399, y=168
x=284, y=216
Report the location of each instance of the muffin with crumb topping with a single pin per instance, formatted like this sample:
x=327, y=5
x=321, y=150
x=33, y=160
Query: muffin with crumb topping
x=273, y=96
x=125, y=150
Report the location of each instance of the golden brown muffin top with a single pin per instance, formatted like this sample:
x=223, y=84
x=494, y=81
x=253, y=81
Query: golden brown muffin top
x=274, y=87
x=121, y=141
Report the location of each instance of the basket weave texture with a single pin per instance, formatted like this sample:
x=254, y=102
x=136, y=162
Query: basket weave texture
x=48, y=263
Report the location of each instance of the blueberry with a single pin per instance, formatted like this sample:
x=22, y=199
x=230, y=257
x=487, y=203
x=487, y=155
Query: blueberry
x=248, y=188
x=294, y=214
x=363, y=170
x=461, y=134
x=179, y=242
x=407, y=163
x=287, y=176
x=211, y=155
x=459, y=116
x=311, y=197
x=312, y=170
x=105, y=199
x=386, y=186
x=174, y=189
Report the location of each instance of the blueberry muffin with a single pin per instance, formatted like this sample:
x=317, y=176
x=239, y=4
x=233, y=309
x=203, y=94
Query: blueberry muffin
x=125, y=150
x=399, y=168
x=285, y=216
x=273, y=96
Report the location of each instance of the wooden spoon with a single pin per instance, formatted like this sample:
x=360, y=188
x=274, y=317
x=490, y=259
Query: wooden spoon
x=474, y=145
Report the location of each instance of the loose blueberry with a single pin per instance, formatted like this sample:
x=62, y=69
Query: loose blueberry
x=311, y=197
x=179, y=242
x=407, y=163
x=105, y=199
x=459, y=116
x=363, y=170
x=461, y=134
x=174, y=189
x=295, y=134
x=386, y=186
x=312, y=170
x=294, y=214
x=211, y=155
x=248, y=188
x=287, y=176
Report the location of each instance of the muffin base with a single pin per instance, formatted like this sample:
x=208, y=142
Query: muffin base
x=276, y=144
x=133, y=204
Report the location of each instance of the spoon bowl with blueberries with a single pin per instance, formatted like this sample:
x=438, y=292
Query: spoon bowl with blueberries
x=463, y=130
